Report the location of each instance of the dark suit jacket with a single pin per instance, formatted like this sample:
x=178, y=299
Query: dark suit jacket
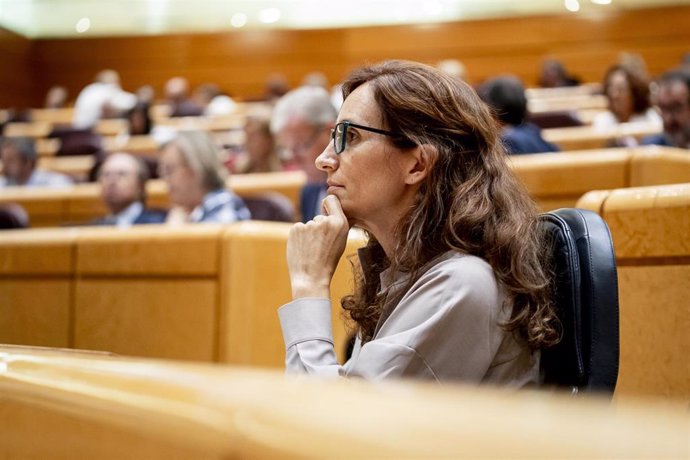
x=525, y=138
x=309, y=200
x=151, y=216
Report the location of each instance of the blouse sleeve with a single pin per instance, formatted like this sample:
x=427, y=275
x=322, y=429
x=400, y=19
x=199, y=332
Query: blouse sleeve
x=308, y=336
x=445, y=326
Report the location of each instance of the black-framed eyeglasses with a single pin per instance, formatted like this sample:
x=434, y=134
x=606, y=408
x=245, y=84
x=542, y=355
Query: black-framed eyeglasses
x=339, y=134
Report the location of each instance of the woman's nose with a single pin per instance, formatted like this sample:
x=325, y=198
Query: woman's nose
x=327, y=160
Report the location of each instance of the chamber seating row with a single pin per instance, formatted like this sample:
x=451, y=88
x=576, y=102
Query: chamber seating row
x=204, y=292
x=210, y=293
x=554, y=180
x=81, y=203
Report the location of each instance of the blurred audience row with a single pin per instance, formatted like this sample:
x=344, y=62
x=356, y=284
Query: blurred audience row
x=293, y=130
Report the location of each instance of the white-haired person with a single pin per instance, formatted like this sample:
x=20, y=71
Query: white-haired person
x=191, y=166
x=302, y=121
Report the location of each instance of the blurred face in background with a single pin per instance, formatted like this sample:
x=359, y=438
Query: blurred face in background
x=120, y=183
x=184, y=185
x=259, y=142
x=15, y=167
x=305, y=143
x=619, y=94
x=675, y=111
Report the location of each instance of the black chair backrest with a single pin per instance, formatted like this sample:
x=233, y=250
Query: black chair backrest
x=586, y=291
x=13, y=216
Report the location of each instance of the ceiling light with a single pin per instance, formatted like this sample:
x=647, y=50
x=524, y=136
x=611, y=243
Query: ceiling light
x=269, y=15
x=601, y=2
x=432, y=8
x=238, y=20
x=83, y=25
x=572, y=5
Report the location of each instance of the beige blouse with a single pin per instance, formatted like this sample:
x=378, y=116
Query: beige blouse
x=446, y=327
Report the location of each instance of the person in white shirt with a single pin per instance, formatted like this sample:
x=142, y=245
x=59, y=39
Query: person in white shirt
x=628, y=102
x=102, y=97
x=19, y=159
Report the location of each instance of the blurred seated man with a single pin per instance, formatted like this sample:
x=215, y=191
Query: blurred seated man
x=123, y=190
x=673, y=99
x=177, y=95
x=506, y=96
x=19, y=160
x=302, y=122
x=191, y=166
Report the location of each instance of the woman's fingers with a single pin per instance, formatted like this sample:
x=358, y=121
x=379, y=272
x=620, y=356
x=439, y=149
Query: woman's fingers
x=314, y=249
x=331, y=207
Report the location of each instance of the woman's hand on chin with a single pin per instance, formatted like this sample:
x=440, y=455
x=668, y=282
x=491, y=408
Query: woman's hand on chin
x=314, y=249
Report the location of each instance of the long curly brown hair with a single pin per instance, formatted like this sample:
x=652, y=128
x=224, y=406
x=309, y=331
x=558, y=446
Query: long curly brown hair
x=470, y=201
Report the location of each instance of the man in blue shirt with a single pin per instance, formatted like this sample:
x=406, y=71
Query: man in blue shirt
x=506, y=96
x=19, y=160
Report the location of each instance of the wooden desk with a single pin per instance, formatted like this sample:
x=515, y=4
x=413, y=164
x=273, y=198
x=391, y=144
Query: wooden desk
x=36, y=286
x=650, y=228
x=54, y=116
x=588, y=137
x=194, y=292
x=567, y=102
x=557, y=180
x=64, y=405
x=35, y=129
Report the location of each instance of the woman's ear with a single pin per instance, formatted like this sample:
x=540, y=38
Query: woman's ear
x=422, y=159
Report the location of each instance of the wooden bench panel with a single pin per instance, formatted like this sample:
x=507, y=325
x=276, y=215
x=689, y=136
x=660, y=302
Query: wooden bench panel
x=36, y=286
x=54, y=116
x=126, y=408
x=559, y=179
x=37, y=252
x=149, y=291
x=653, y=165
x=650, y=228
x=257, y=283
x=151, y=317
x=588, y=137
x=68, y=436
x=151, y=250
x=35, y=311
x=650, y=222
x=654, y=325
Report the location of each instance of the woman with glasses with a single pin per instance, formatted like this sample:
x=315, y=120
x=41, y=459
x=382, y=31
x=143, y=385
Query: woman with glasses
x=453, y=284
